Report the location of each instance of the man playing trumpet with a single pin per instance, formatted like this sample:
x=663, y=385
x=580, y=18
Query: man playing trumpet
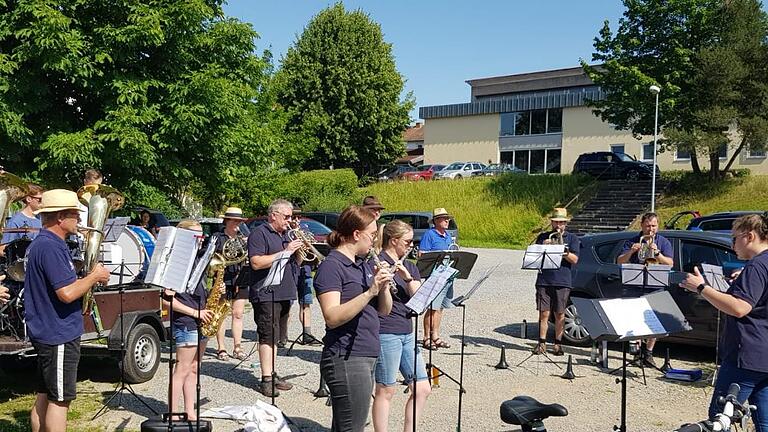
x=553, y=286
x=652, y=247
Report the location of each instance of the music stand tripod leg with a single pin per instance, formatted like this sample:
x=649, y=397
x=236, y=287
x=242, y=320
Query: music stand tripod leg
x=305, y=337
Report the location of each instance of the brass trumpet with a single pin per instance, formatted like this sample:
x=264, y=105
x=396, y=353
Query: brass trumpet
x=647, y=254
x=307, y=252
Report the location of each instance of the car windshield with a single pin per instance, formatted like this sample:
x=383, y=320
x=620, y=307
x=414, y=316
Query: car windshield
x=625, y=157
x=454, y=166
x=315, y=227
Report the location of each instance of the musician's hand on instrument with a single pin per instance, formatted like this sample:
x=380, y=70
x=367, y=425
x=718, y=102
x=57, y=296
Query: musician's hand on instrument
x=692, y=281
x=294, y=245
x=547, y=241
x=735, y=274
x=402, y=271
x=636, y=247
x=5, y=293
x=380, y=280
x=101, y=273
x=205, y=315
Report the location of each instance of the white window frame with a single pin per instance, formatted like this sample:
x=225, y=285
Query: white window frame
x=642, y=152
x=764, y=155
x=682, y=159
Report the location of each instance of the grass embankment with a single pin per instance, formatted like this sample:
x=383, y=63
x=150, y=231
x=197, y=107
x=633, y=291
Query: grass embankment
x=709, y=196
x=503, y=212
x=17, y=395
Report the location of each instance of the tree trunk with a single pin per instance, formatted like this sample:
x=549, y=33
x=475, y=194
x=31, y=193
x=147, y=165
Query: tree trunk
x=714, y=164
x=736, y=153
x=695, y=163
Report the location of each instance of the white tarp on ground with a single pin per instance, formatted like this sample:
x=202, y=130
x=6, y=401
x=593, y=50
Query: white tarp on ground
x=261, y=417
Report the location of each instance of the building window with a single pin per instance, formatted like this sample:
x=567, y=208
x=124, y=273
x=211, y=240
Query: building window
x=523, y=123
x=757, y=154
x=508, y=120
x=508, y=157
x=723, y=151
x=555, y=120
x=537, y=161
x=617, y=148
x=538, y=122
x=682, y=155
x=648, y=151
x=521, y=159
x=553, y=160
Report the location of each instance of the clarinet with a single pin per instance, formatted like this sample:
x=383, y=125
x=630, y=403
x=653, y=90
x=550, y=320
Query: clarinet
x=372, y=255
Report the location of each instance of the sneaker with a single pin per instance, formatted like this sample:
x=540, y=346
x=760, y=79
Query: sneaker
x=557, y=350
x=267, y=390
x=648, y=360
x=281, y=344
x=282, y=384
x=540, y=348
x=309, y=339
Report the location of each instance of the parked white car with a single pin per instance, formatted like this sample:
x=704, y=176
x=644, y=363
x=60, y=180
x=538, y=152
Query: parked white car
x=458, y=170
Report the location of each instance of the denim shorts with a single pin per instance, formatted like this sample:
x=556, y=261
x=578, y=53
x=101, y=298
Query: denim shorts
x=184, y=337
x=397, y=354
x=444, y=300
x=305, y=291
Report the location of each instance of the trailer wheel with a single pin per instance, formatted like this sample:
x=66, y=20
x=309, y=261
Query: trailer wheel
x=142, y=354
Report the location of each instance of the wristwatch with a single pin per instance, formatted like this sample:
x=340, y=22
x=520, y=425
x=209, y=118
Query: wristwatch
x=700, y=288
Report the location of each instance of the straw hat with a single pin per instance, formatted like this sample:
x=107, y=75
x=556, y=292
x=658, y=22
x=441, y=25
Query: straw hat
x=559, y=214
x=57, y=200
x=233, y=213
x=441, y=213
x=372, y=203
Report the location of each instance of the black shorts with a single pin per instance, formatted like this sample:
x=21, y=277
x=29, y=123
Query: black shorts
x=549, y=298
x=237, y=293
x=267, y=328
x=57, y=370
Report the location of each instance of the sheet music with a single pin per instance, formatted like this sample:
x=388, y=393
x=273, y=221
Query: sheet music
x=632, y=317
x=275, y=275
x=159, y=260
x=202, y=265
x=431, y=288
x=113, y=228
x=714, y=277
x=534, y=255
x=178, y=249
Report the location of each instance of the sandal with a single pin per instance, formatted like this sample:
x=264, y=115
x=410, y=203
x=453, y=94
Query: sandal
x=441, y=343
x=429, y=344
x=238, y=353
x=222, y=355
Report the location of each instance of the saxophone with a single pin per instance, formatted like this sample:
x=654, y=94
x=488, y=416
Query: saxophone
x=646, y=254
x=233, y=252
x=307, y=251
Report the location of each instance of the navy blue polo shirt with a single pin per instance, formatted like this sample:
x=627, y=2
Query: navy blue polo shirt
x=196, y=300
x=397, y=322
x=432, y=240
x=745, y=340
x=20, y=220
x=359, y=336
x=264, y=240
x=50, y=268
x=560, y=277
x=230, y=272
x=664, y=245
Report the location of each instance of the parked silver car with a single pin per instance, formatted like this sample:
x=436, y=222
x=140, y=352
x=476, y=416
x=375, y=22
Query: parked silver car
x=458, y=170
x=421, y=222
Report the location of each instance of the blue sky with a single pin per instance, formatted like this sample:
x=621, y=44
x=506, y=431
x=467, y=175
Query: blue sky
x=438, y=45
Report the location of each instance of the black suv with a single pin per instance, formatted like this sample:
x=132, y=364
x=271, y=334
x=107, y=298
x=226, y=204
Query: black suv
x=598, y=276
x=720, y=222
x=613, y=165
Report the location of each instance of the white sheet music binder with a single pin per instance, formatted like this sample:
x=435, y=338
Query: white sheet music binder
x=276, y=271
x=202, y=265
x=543, y=257
x=436, y=282
x=172, y=261
x=714, y=277
x=632, y=317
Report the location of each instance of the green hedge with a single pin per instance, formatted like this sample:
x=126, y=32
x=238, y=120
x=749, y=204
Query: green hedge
x=321, y=190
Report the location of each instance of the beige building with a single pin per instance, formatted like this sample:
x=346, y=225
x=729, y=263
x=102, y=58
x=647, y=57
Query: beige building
x=540, y=123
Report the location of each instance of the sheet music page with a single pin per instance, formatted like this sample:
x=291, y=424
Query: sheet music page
x=275, y=275
x=534, y=254
x=180, y=261
x=159, y=260
x=202, y=265
x=632, y=317
x=714, y=277
x=431, y=288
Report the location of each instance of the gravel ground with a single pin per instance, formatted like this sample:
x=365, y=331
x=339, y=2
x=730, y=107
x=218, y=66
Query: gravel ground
x=493, y=320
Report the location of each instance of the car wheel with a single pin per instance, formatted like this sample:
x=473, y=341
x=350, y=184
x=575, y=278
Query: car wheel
x=142, y=354
x=575, y=332
x=457, y=177
x=419, y=178
x=633, y=175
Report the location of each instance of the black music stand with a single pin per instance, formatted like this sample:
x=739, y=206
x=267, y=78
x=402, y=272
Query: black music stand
x=605, y=322
x=462, y=261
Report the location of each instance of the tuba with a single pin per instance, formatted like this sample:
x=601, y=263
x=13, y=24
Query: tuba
x=233, y=252
x=307, y=251
x=12, y=189
x=101, y=201
x=646, y=254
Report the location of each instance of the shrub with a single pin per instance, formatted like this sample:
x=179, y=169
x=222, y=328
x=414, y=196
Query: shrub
x=328, y=190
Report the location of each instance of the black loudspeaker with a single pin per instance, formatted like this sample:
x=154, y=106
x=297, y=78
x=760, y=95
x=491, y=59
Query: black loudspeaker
x=161, y=424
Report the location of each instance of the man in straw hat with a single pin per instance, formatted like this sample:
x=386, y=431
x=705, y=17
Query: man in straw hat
x=437, y=239
x=53, y=309
x=553, y=286
x=237, y=289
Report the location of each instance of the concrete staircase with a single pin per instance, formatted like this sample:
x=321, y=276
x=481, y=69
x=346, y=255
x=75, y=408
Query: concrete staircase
x=615, y=205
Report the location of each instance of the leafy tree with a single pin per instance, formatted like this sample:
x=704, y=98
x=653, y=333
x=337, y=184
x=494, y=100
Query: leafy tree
x=341, y=90
x=161, y=95
x=708, y=57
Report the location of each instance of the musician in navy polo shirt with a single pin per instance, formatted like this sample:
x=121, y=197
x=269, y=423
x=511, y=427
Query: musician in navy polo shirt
x=352, y=296
x=663, y=252
x=744, y=342
x=53, y=309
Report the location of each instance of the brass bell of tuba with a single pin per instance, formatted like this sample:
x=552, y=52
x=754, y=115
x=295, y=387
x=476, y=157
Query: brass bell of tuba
x=12, y=189
x=101, y=201
x=646, y=254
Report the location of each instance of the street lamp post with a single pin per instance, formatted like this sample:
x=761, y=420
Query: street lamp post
x=655, y=90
